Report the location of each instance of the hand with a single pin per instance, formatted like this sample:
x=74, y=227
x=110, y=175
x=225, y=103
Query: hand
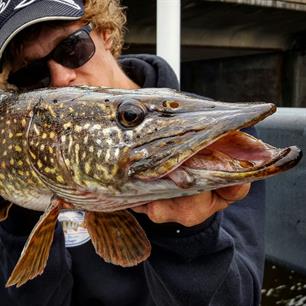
x=193, y=210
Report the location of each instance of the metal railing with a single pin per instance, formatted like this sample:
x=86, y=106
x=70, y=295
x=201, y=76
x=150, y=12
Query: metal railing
x=285, y=230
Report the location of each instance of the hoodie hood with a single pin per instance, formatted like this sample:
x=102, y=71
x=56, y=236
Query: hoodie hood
x=148, y=70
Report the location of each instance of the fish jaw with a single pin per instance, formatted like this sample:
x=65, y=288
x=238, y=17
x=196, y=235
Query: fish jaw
x=215, y=166
x=234, y=159
x=192, y=131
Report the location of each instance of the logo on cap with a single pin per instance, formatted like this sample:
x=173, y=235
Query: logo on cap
x=3, y=5
x=25, y=3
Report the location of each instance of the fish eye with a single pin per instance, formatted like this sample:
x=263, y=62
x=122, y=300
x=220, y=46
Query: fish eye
x=130, y=114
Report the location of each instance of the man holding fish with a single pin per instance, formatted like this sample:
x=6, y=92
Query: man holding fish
x=201, y=255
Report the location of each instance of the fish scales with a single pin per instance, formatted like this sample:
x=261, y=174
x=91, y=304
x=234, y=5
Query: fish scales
x=104, y=150
x=16, y=174
x=24, y=147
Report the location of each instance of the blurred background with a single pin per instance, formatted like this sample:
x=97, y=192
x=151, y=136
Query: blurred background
x=233, y=49
x=250, y=50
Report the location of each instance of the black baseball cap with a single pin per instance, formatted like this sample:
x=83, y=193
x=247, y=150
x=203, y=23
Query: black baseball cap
x=16, y=15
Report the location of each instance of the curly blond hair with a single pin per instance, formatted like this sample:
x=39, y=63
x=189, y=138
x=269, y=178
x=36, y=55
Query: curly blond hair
x=107, y=15
x=102, y=14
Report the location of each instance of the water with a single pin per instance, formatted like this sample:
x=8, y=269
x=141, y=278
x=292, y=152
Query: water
x=283, y=287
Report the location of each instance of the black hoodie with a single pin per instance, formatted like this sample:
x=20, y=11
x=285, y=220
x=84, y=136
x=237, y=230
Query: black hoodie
x=219, y=262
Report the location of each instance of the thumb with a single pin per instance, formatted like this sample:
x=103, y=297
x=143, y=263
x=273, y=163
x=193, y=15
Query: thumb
x=234, y=193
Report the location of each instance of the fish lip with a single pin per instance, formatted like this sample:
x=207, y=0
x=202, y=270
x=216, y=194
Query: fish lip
x=189, y=177
x=203, y=144
x=287, y=158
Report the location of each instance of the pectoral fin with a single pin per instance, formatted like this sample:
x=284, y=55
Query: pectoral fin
x=118, y=238
x=4, y=209
x=35, y=253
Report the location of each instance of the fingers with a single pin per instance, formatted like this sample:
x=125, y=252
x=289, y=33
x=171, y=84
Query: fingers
x=188, y=211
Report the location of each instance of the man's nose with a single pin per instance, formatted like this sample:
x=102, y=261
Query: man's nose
x=60, y=75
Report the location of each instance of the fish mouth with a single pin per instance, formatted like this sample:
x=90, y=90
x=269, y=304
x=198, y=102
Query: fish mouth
x=236, y=157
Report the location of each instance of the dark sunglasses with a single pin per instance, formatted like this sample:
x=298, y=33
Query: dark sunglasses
x=72, y=52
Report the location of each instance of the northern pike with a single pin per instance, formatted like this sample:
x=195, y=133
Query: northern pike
x=103, y=150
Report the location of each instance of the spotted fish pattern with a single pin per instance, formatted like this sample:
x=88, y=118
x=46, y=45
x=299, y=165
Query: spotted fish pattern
x=103, y=150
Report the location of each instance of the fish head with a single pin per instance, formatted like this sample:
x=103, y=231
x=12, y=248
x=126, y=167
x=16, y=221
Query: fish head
x=190, y=144
x=124, y=141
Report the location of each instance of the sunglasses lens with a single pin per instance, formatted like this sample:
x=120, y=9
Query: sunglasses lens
x=74, y=51
x=35, y=75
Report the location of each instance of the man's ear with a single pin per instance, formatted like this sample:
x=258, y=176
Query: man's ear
x=107, y=38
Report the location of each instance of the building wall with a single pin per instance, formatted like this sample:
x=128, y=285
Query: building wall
x=277, y=77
